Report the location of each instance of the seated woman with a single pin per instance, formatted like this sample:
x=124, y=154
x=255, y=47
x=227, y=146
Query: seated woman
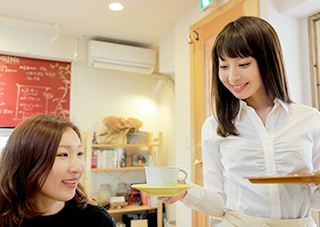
x=40, y=170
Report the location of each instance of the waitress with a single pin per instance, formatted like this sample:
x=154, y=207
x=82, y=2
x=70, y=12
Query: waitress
x=256, y=131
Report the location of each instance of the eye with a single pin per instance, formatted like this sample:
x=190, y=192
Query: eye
x=80, y=153
x=223, y=66
x=62, y=155
x=244, y=65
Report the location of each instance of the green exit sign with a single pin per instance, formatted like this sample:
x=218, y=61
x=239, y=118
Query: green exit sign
x=205, y=4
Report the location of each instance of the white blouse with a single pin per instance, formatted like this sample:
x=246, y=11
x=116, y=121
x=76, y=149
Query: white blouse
x=288, y=144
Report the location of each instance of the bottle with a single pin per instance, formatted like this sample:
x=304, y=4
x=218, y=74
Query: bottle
x=94, y=140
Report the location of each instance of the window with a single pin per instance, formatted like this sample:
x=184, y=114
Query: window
x=314, y=52
x=4, y=136
x=3, y=141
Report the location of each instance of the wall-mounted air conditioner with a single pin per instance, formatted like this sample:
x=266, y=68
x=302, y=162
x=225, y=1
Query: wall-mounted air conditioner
x=120, y=57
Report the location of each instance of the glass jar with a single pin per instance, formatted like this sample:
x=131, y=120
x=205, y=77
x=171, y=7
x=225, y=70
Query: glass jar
x=103, y=195
x=123, y=190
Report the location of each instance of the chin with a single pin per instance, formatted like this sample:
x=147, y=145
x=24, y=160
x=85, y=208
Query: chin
x=242, y=97
x=68, y=197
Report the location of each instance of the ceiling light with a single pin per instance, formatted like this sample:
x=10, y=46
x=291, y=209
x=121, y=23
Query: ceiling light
x=116, y=6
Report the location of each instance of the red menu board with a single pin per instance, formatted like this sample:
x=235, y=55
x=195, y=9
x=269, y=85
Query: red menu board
x=30, y=87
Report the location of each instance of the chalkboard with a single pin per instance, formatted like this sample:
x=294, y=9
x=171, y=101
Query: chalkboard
x=30, y=87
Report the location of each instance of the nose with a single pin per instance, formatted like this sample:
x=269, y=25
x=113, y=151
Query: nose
x=75, y=165
x=234, y=75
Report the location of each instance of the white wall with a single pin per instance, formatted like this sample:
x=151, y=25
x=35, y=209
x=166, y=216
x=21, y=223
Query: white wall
x=97, y=93
x=167, y=65
x=182, y=99
x=28, y=43
x=167, y=53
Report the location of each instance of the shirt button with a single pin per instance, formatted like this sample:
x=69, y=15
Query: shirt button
x=275, y=204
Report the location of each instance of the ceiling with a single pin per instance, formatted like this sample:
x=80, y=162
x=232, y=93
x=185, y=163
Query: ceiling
x=141, y=22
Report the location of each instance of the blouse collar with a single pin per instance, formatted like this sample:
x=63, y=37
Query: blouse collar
x=277, y=102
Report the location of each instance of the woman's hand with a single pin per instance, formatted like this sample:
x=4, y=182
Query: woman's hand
x=173, y=199
x=312, y=184
x=316, y=185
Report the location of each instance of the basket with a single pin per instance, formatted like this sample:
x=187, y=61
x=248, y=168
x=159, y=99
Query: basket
x=135, y=137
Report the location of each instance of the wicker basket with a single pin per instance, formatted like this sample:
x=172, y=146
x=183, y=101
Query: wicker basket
x=134, y=137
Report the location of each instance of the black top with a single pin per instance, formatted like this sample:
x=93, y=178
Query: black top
x=71, y=215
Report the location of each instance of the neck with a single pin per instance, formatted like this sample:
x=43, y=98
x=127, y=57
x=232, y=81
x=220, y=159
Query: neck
x=50, y=208
x=260, y=102
x=260, y=106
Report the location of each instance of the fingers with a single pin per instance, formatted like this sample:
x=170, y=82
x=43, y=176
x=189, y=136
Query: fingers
x=169, y=199
x=306, y=184
x=310, y=184
x=173, y=199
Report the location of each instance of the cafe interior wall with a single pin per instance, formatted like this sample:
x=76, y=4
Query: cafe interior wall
x=96, y=93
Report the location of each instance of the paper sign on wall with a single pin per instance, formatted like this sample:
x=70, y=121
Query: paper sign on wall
x=30, y=87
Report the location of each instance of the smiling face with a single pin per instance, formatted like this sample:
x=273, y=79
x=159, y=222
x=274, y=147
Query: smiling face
x=61, y=183
x=241, y=76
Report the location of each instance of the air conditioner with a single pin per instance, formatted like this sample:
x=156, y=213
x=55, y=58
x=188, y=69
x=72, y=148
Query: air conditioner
x=120, y=57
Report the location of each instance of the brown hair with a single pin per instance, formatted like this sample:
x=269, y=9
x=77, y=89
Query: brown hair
x=25, y=164
x=247, y=36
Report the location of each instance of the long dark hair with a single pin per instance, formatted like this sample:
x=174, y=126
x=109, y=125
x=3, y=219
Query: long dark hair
x=25, y=164
x=247, y=36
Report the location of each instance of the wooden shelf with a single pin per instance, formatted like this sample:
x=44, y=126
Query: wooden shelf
x=125, y=145
x=154, y=149
x=131, y=208
x=119, y=169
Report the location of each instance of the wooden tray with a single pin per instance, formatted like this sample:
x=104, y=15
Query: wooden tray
x=286, y=179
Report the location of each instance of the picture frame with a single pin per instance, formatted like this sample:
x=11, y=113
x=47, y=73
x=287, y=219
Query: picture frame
x=140, y=160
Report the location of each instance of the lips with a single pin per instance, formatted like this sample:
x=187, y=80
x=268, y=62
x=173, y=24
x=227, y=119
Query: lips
x=72, y=183
x=69, y=182
x=239, y=87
